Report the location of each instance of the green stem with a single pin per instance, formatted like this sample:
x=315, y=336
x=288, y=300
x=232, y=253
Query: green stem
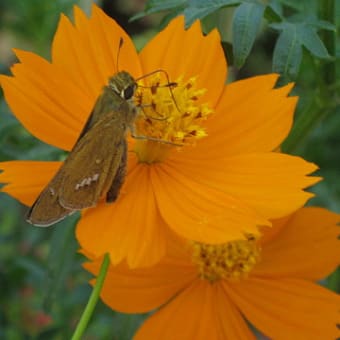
x=91, y=304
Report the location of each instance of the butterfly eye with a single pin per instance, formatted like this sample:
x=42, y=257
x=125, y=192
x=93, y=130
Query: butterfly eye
x=128, y=92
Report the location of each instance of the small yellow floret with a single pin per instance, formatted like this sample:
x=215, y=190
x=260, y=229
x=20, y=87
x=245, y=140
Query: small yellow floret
x=232, y=260
x=169, y=113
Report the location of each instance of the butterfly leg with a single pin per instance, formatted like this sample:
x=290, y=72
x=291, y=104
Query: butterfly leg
x=133, y=135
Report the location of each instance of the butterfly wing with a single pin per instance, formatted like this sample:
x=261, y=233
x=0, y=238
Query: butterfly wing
x=92, y=164
x=47, y=210
x=86, y=174
x=118, y=180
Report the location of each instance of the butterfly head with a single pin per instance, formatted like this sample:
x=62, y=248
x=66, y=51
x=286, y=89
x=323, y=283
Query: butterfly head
x=123, y=84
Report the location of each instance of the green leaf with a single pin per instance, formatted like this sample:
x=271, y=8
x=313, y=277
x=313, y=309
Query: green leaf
x=167, y=18
x=288, y=49
x=307, y=36
x=246, y=23
x=154, y=6
x=273, y=12
x=310, y=39
x=322, y=24
x=287, y=52
x=198, y=9
x=301, y=5
x=297, y=5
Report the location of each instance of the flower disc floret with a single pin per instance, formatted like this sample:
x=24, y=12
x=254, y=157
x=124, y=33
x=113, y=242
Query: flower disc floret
x=232, y=260
x=171, y=113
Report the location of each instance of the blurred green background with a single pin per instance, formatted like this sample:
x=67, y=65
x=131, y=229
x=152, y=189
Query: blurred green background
x=43, y=289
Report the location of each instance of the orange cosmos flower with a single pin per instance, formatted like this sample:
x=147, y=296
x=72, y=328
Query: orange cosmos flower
x=209, y=291
x=222, y=183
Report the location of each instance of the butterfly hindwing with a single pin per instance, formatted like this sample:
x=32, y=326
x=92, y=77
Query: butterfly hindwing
x=47, y=210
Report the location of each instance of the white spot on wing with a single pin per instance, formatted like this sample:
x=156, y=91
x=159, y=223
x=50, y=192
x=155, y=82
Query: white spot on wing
x=86, y=181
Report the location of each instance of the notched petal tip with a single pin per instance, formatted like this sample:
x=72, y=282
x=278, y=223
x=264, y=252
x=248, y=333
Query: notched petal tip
x=22, y=187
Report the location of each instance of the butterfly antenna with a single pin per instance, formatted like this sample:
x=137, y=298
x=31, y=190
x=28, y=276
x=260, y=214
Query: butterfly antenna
x=168, y=84
x=121, y=42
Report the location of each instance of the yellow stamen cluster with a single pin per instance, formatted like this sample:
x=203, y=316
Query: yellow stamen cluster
x=171, y=114
x=232, y=260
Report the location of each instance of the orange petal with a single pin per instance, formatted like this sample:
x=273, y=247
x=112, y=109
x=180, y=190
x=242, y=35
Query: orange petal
x=272, y=183
x=190, y=315
x=26, y=179
x=188, y=53
x=232, y=323
x=199, y=213
x=68, y=56
x=107, y=33
x=287, y=308
x=38, y=92
x=130, y=227
x=306, y=247
x=250, y=117
x=88, y=51
x=143, y=289
x=269, y=183
x=267, y=234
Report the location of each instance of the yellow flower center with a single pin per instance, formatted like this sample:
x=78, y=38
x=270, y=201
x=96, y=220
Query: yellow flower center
x=170, y=115
x=232, y=260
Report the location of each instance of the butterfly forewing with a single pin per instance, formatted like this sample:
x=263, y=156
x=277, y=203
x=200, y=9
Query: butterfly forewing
x=96, y=164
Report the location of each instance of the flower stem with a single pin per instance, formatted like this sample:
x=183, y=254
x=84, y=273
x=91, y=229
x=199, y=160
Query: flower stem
x=91, y=304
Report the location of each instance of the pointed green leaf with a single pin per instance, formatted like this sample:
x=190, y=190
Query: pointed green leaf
x=287, y=52
x=322, y=24
x=167, y=18
x=279, y=25
x=310, y=39
x=154, y=6
x=273, y=12
x=297, y=5
x=246, y=23
x=198, y=9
